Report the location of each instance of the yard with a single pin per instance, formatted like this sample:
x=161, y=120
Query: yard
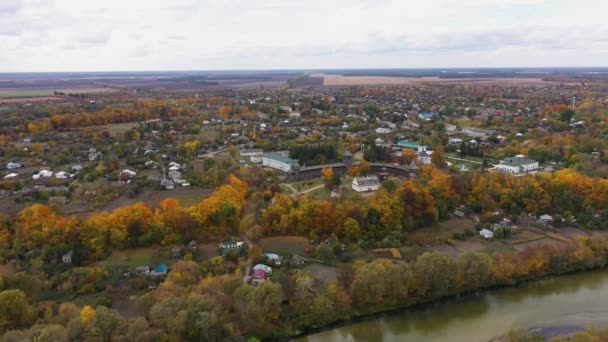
x=119, y=128
x=285, y=244
x=133, y=257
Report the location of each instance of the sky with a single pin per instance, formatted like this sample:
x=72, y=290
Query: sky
x=125, y=35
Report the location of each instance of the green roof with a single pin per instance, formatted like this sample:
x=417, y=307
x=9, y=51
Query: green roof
x=281, y=158
x=517, y=161
x=407, y=143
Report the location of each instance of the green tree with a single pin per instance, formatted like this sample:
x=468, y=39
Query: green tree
x=15, y=311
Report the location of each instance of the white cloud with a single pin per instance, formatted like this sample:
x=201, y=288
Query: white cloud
x=61, y=35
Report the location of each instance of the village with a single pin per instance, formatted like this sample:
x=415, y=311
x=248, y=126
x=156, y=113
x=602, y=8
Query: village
x=146, y=183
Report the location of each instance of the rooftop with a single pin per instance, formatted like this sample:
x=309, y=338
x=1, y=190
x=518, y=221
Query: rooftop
x=280, y=158
x=517, y=161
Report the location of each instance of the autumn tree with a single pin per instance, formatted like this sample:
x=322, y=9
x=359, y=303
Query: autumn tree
x=437, y=157
x=328, y=175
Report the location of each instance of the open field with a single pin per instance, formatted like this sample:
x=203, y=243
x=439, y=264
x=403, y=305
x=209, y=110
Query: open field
x=135, y=257
x=322, y=273
x=457, y=225
x=32, y=99
x=285, y=244
x=119, y=128
x=21, y=93
x=340, y=80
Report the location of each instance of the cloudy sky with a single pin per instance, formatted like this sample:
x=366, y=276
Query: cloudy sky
x=105, y=35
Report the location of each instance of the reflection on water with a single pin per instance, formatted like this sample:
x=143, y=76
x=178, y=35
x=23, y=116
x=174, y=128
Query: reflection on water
x=576, y=299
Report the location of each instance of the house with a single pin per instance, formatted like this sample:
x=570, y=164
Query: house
x=458, y=213
x=167, y=184
x=259, y=276
x=426, y=116
x=76, y=168
x=274, y=258
x=382, y=130
x=174, y=175
x=227, y=246
x=126, y=175
x=407, y=144
x=547, y=220
x=94, y=155
x=42, y=174
x=160, y=271
x=424, y=156
x=263, y=267
x=255, y=154
x=142, y=270
x=517, y=165
x=67, y=257
x=278, y=161
x=11, y=175
x=486, y=233
x=62, y=175
x=364, y=184
x=176, y=252
x=60, y=200
x=12, y=166
x=192, y=244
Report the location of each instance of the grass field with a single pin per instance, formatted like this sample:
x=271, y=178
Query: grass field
x=9, y=94
x=119, y=128
x=285, y=244
x=134, y=257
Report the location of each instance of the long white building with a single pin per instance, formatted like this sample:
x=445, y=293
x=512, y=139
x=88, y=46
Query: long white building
x=365, y=184
x=278, y=161
x=517, y=165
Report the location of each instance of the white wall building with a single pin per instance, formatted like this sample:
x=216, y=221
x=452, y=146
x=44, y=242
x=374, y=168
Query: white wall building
x=517, y=165
x=254, y=154
x=278, y=161
x=365, y=184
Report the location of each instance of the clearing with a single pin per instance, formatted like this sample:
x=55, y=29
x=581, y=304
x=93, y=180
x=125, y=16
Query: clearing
x=285, y=244
x=134, y=257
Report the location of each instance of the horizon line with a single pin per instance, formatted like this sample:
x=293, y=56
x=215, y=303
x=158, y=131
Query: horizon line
x=302, y=69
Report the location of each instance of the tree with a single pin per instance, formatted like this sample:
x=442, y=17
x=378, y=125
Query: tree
x=437, y=157
x=364, y=167
x=328, y=175
x=352, y=229
x=15, y=311
x=87, y=314
x=566, y=115
x=474, y=269
x=407, y=155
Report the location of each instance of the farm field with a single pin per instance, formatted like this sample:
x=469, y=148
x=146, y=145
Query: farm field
x=22, y=93
x=340, y=80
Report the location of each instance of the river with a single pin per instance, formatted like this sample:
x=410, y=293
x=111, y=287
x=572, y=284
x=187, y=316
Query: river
x=551, y=305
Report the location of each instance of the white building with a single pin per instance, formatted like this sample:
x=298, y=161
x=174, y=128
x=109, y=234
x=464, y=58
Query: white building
x=382, y=130
x=11, y=175
x=486, y=233
x=424, y=155
x=255, y=154
x=364, y=184
x=517, y=165
x=12, y=166
x=278, y=161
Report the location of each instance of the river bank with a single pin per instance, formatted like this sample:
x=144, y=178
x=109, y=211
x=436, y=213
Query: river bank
x=555, y=305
